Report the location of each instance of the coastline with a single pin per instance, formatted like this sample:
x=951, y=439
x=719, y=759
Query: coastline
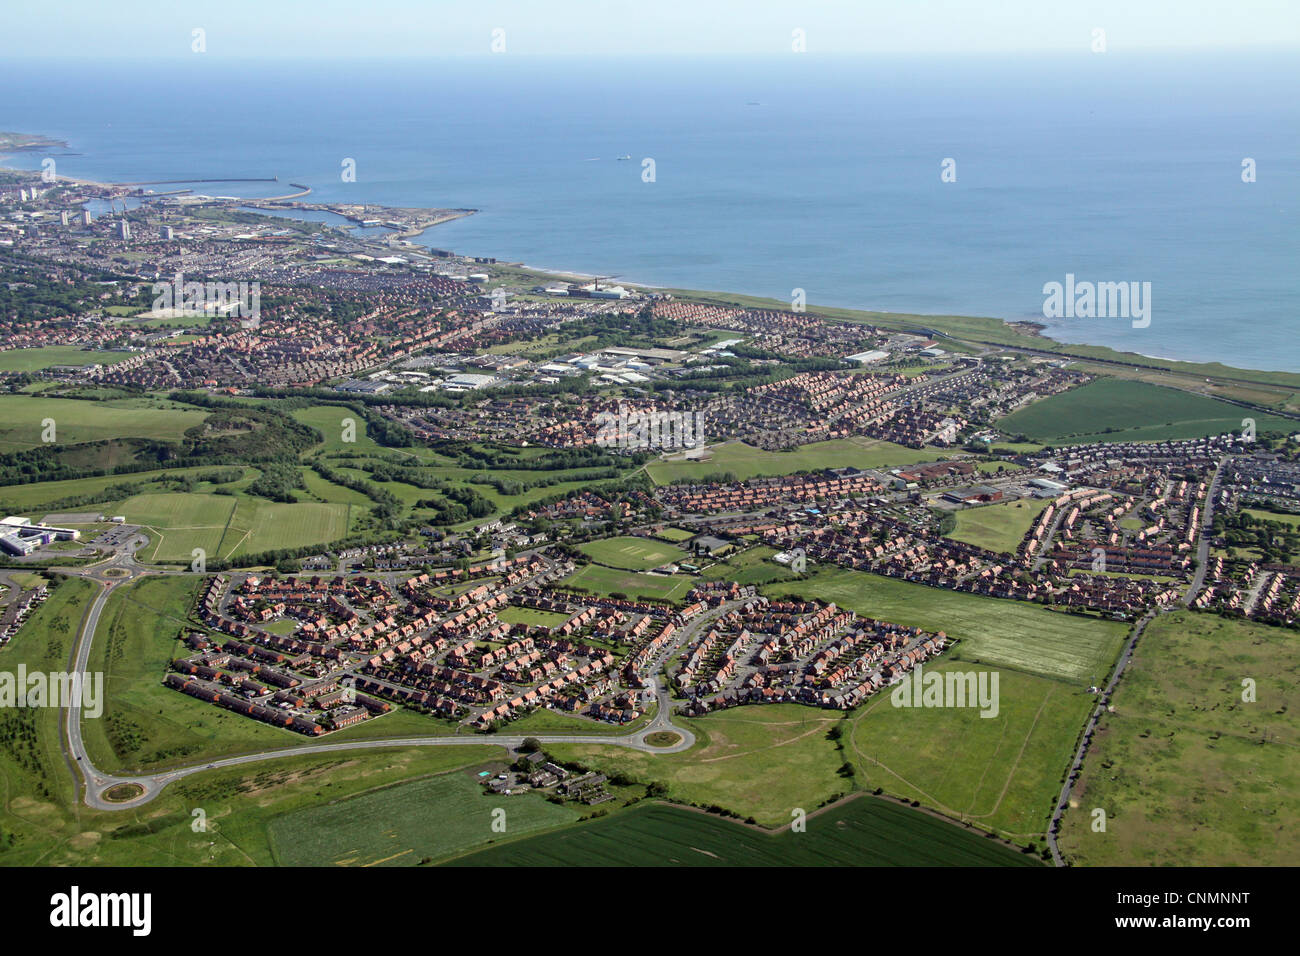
x=1020, y=333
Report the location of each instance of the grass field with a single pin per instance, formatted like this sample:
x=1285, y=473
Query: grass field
x=226, y=525
x=755, y=761
x=329, y=421
x=632, y=554
x=651, y=587
x=259, y=525
x=531, y=616
x=1288, y=519
x=1011, y=634
x=404, y=824
x=31, y=498
x=1114, y=409
x=746, y=461
x=861, y=832
x=751, y=566
x=546, y=721
x=997, y=527
x=33, y=360
x=1007, y=771
x=239, y=803
x=183, y=521
x=22, y=417
x=1187, y=772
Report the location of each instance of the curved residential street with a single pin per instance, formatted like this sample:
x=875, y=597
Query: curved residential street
x=96, y=781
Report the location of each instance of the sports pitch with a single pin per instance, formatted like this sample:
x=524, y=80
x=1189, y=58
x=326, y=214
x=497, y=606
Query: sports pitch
x=632, y=554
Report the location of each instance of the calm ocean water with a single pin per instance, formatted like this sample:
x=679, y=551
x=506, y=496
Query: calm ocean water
x=770, y=174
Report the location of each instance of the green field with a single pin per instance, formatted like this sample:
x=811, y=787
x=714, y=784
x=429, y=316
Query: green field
x=651, y=587
x=752, y=566
x=1261, y=515
x=259, y=525
x=182, y=522
x=22, y=420
x=675, y=535
x=1011, y=634
x=32, y=498
x=632, y=554
x=1007, y=772
x=746, y=461
x=329, y=421
x=33, y=360
x=999, y=526
x=531, y=616
x=1187, y=772
x=226, y=525
x=405, y=824
x=860, y=832
x=755, y=761
x=1115, y=409
x=239, y=803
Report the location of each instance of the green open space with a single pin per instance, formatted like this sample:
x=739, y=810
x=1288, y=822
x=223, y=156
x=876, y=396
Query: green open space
x=33, y=360
x=632, y=554
x=409, y=823
x=758, y=762
x=23, y=420
x=597, y=579
x=746, y=461
x=1008, y=769
x=533, y=617
x=1115, y=409
x=1187, y=771
x=1000, y=526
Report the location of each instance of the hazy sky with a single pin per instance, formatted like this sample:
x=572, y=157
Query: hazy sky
x=332, y=28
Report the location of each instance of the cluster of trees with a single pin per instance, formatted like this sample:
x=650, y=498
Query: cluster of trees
x=278, y=481
x=1277, y=541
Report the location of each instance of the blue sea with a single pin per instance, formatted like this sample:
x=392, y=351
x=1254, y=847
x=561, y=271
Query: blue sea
x=771, y=174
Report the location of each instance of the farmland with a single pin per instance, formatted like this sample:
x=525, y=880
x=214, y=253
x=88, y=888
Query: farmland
x=992, y=631
x=1187, y=772
x=1114, y=409
x=861, y=832
x=405, y=824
